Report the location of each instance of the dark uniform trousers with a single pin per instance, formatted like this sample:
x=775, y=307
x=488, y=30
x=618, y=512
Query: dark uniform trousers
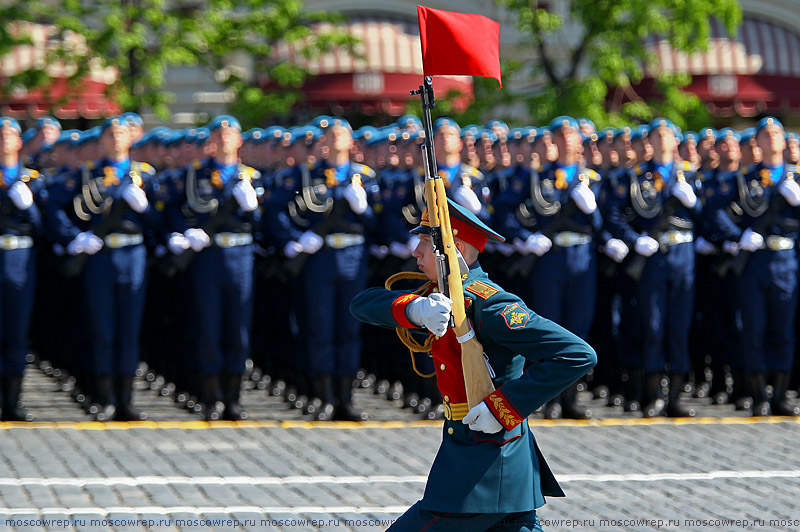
x=17, y=281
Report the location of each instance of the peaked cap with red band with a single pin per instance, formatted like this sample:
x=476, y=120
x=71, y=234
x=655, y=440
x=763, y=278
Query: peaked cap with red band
x=465, y=225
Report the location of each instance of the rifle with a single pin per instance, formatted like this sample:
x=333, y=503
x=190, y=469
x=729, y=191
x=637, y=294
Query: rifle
x=449, y=263
x=636, y=265
x=113, y=213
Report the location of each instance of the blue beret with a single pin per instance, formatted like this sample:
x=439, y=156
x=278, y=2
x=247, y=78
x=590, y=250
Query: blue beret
x=470, y=131
x=665, y=122
x=586, y=122
x=133, y=119
x=365, y=132
x=409, y=136
x=6, y=121
x=640, y=131
x=113, y=121
x=690, y=136
x=708, y=132
x=497, y=124
x=324, y=122
x=767, y=121
x=377, y=138
x=48, y=121
x=202, y=135
x=516, y=135
x=391, y=133
x=624, y=130
x=223, y=121
x=175, y=137
x=791, y=135
x=28, y=135
x=444, y=122
x=69, y=136
x=747, y=134
x=726, y=133
x=489, y=135
x=409, y=120
x=273, y=133
x=562, y=121
x=607, y=133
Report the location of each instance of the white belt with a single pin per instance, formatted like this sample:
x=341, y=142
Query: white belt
x=343, y=240
x=568, y=239
x=673, y=238
x=778, y=243
x=231, y=240
x=9, y=242
x=122, y=240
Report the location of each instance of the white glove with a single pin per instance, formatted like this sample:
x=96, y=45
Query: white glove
x=379, y=252
x=505, y=250
x=432, y=312
x=412, y=244
x=646, y=246
x=685, y=194
x=538, y=243
x=467, y=198
x=616, y=249
x=198, y=239
x=77, y=245
x=399, y=250
x=356, y=196
x=135, y=197
x=790, y=190
x=480, y=418
x=93, y=243
x=245, y=196
x=178, y=243
x=751, y=241
x=292, y=249
x=703, y=246
x=584, y=198
x=521, y=246
x=311, y=242
x=731, y=248
x=21, y=195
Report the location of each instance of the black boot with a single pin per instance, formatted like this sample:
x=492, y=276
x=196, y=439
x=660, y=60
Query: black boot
x=676, y=406
x=758, y=390
x=323, y=392
x=740, y=395
x=125, y=409
x=634, y=394
x=654, y=401
x=211, y=399
x=105, y=401
x=779, y=403
x=231, y=392
x=570, y=409
x=345, y=411
x=13, y=409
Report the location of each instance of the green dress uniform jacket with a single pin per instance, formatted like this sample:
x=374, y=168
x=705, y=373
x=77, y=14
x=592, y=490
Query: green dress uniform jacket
x=532, y=360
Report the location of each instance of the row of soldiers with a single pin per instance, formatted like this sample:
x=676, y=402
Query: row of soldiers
x=223, y=245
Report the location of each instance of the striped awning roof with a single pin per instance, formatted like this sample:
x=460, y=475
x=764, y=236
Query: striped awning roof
x=84, y=100
x=760, y=48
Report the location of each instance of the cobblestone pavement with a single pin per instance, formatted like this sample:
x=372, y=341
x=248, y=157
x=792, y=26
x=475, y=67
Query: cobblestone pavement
x=287, y=474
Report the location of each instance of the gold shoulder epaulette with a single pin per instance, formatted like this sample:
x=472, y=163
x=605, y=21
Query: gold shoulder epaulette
x=197, y=164
x=145, y=167
x=482, y=290
x=638, y=169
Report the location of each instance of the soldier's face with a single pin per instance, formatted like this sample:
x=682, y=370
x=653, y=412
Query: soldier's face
x=50, y=134
x=771, y=140
x=448, y=138
x=663, y=140
x=567, y=142
x=426, y=261
x=10, y=141
x=116, y=139
x=729, y=151
x=226, y=140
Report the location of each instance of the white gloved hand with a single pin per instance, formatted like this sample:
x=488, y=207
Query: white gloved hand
x=685, y=194
x=467, y=198
x=245, y=196
x=92, y=243
x=198, y=239
x=78, y=244
x=292, y=249
x=21, y=195
x=432, y=312
x=731, y=248
x=703, y=246
x=379, y=252
x=135, y=197
x=584, y=198
x=646, y=246
x=399, y=250
x=616, y=249
x=480, y=418
x=311, y=242
x=751, y=241
x=178, y=243
x=356, y=196
x=538, y=243
x=790, y=190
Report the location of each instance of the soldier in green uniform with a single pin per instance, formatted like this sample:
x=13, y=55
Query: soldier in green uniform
x=489, y=473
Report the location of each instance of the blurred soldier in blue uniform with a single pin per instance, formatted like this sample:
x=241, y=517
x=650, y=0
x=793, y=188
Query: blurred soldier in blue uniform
x=44, y=135
x=561, y=200
x=214, y=220
x=654, y=214
x=488, y=473
x=114, y=274
x=20, y=223
x=333, y=232
x=769, y=197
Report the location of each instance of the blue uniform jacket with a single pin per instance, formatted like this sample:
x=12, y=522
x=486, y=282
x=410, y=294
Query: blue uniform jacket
x=12, y=220
x=503, y=472
x=756, y=188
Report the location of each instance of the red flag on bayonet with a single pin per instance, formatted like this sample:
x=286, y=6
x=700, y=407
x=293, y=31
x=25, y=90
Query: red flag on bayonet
x=459, y=44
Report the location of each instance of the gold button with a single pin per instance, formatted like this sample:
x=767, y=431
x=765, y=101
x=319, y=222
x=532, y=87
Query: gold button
x=442, y=367
x=450, y=430
x=446, y=399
